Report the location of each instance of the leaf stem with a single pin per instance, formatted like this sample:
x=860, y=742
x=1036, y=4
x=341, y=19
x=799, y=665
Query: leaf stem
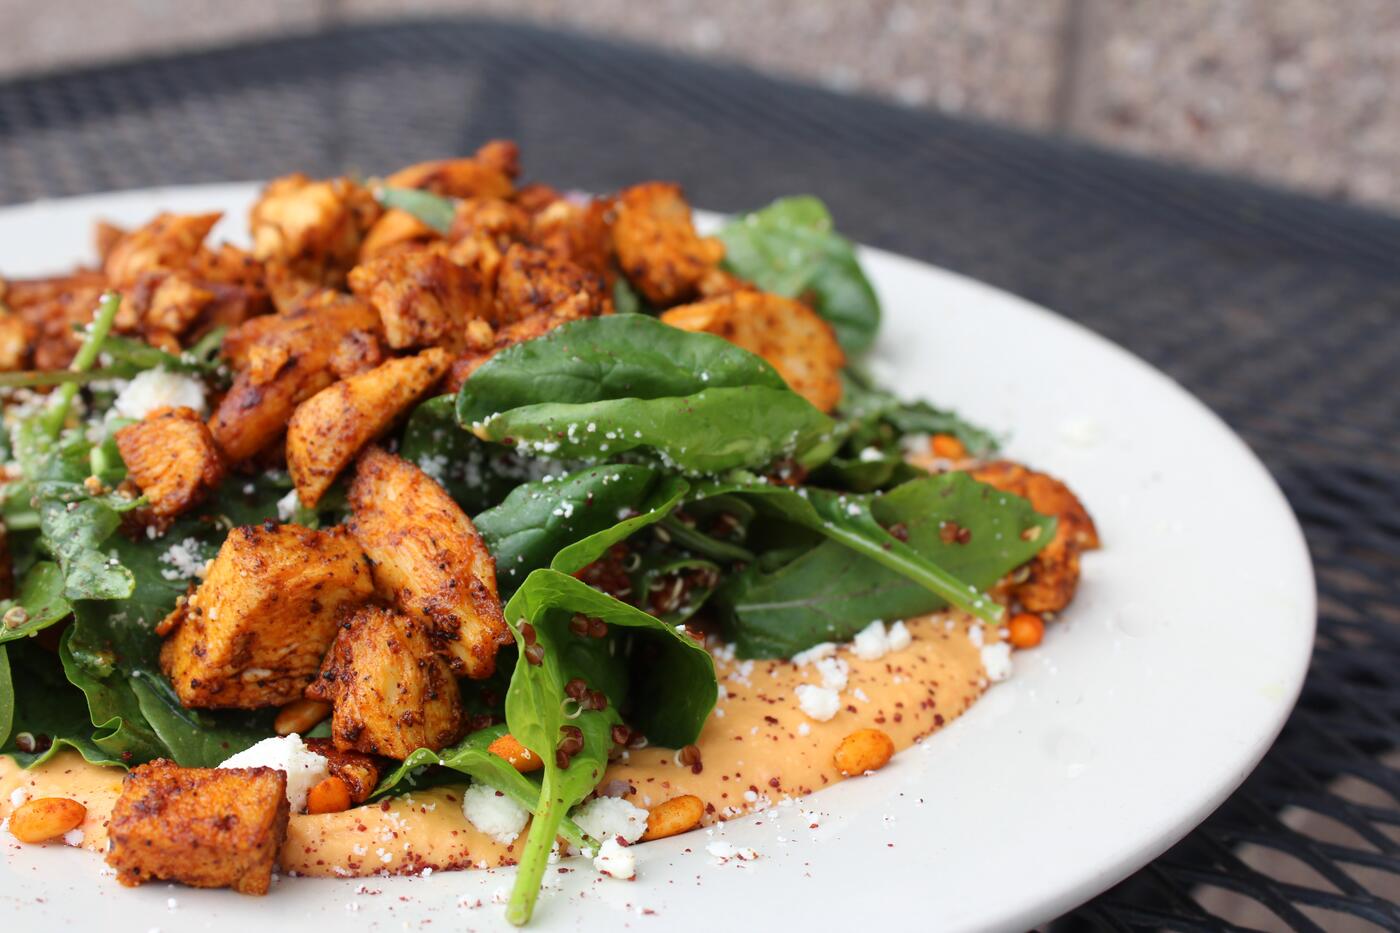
x=535, y=858
x=82, y=361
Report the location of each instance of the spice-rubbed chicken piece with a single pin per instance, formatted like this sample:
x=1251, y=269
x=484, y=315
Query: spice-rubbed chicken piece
x=422, y=296
x=791, y=336
x=168, y=243
x=15, y=337
x=283, y=361
x=489, y=173
x=657, y=245
x=391, y=692
x=172, y=457
x=204, y=827
x=531, y=282
x=395, y=229
x=429, y=559
x=314, y=228
x=255, y=631
x=580, y=233
x=330, y=428
x=359, y=771
x=1054, y=572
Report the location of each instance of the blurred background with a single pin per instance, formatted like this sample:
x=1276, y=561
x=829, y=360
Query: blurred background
x=1290, y=92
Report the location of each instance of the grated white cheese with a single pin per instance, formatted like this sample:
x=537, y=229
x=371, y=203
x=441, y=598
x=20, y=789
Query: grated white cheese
x=608, y=817
x=287, y=506
x=156, y=388
x=820, y=703
x=288, y=754
x=184, y=560
x=616, y=861
x=997, y=660
x=493, y=813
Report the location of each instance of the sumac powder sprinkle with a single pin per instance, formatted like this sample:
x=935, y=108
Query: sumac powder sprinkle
x=535, y=654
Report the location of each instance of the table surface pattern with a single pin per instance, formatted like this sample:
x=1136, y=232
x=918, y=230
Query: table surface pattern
x=1280, y=312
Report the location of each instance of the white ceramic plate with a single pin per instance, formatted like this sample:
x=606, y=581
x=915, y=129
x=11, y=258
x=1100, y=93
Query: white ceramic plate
x=1164, y=685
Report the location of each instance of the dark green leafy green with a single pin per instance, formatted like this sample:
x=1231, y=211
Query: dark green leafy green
x=829, y=593
x=791, y=247
x=41, y=597
x=7, y=697
x=601, y=387
x=434, y=210
x=121, y=729
x=670, y=701
x=75, y=526
x=872, y=417
x=48, y=714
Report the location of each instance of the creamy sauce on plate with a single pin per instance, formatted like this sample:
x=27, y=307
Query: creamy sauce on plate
x=757, y=748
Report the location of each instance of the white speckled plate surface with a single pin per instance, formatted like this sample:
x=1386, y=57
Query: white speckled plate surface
x=1152, y=700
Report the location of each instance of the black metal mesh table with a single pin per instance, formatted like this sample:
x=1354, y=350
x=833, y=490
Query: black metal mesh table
x=1280, y=312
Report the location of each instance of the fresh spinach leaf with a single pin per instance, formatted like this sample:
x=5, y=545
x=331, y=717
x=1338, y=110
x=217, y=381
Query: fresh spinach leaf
x=7, y=697
x=75, y=526
x=122, y=731
x=538, y=522
x=196, y=738
x=791, y=247
x=48, y=712
x=828, y=593
x=41, y=597
x=600, y=387
x=434, y=210
x=470, y=757
x=870, y=416
x=671, y=701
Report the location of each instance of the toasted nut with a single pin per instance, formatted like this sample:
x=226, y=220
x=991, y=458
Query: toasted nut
x=947, y=446
x=862, y=751
x=1025, y=630
x=46, y=818
x=300, y=716
x=328, y=796
x=520, y=757
x=677, y=815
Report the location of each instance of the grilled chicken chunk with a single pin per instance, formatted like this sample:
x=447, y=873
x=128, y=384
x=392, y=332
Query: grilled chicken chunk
x=791, y=336
x=284, y=360
x=657, y=245
x=168, y=243
x=172, y=457
x=1054, y=572
x=533, y=282
x=359, y=771
x=391, y=692
x=255, y=631
x=329, y=429
x=489, y=173
x=204, y=827
x=428, y=559
x=422, y=296
x=393, y=230
x=314, y=228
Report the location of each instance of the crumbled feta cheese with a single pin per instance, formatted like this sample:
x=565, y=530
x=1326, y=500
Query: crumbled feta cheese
x=870, y=455
x=724, y=851
x=74, y=837
x=18, y=797
x=834, y=672
x=820, y=703
x=898, y=636
x=156, y=388
x=184, y=560
x=493, y=813
x=814, y=654
x=287, y=506
x=870, y=643
x=616, y=861
x=997, y=660
x=976, y=635
x=289, y=754
x=607, y=817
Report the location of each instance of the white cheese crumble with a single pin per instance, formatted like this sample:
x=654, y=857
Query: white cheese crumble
x=184, y=560
x=287, y=506
x=976, y=635
x=814, y=654
x=820, y=703
x=834, y=673
x=74, y=837
x=156, y=388
x=18, y=797
x=898, y=636
x=870, y=643
x=288, y=754
x=997, y=660
x=724, y=851
x=493, y=813
x=616, y=861
x=608, y=817
x=870, y=455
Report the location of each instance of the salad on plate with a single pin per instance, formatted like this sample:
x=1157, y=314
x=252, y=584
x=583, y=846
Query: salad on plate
x=453, y=522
